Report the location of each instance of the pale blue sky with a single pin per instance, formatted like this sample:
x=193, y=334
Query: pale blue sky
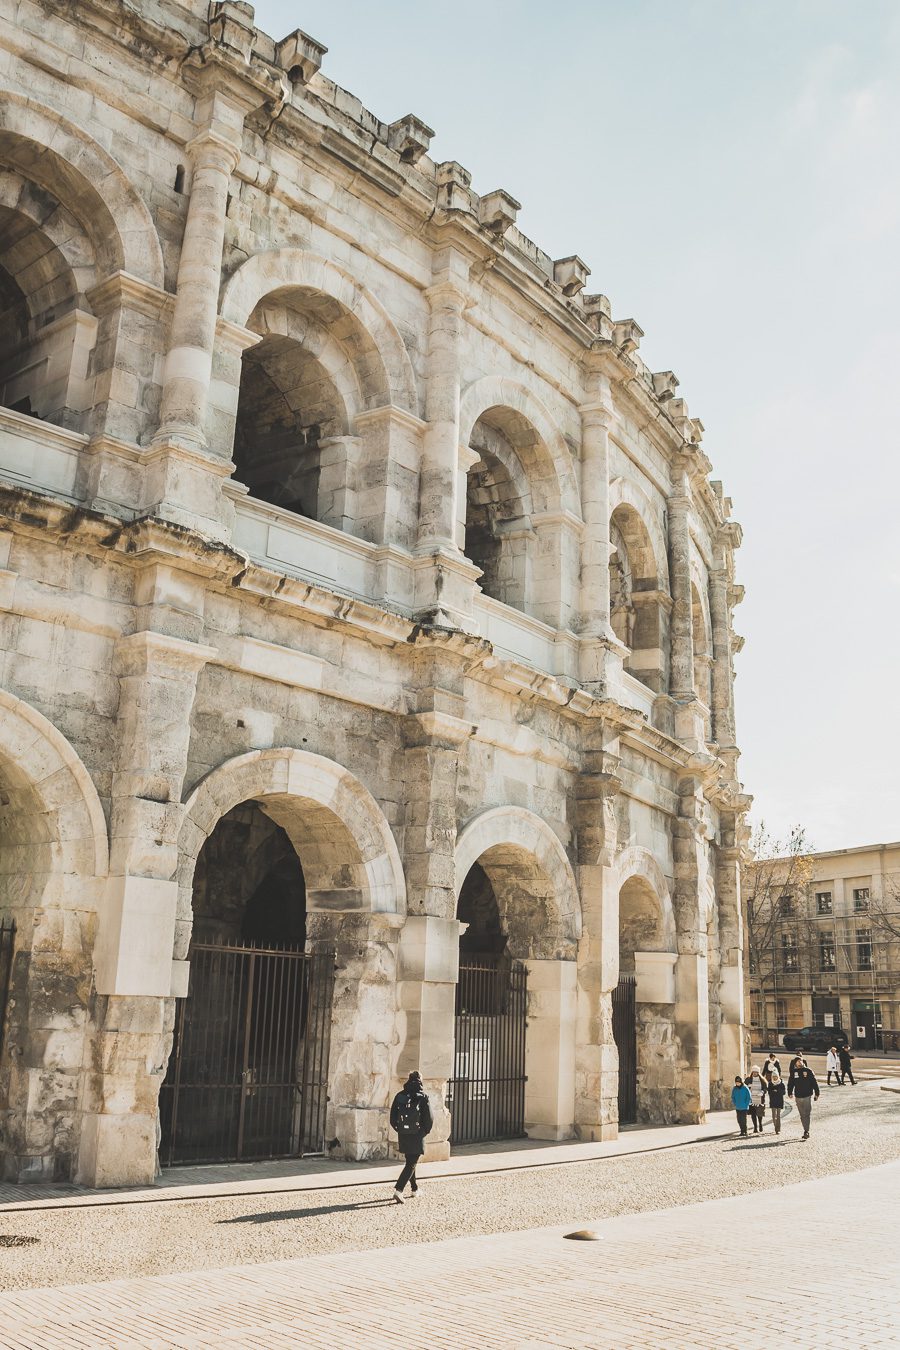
x=730, y=171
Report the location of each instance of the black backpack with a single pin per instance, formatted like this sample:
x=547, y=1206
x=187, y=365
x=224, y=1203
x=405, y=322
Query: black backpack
x=409, y=1116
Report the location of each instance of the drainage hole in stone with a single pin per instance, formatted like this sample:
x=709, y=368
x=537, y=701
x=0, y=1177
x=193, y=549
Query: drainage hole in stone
x=17, y=1240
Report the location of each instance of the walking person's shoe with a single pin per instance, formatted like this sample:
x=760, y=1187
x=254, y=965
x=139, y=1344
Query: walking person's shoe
x=414, y=1193
x=397, y=1196
x=805, y=1134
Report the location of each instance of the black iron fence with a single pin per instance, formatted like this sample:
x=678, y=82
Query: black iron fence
x=486, y=1095
x=248, y=1074
x=7, y=946
x=625, y=1036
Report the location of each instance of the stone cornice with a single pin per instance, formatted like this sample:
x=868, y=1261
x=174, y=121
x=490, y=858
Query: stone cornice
x=122, y=290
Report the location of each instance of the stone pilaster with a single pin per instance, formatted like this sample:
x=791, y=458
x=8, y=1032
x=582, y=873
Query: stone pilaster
x=601, y=653
x=134, y=970
x=596, y=1058
x=732, y=1028
x=434, y=737
x=445, y=583
x=550, y=1049
x=691, y=1020
x=184, y=475
x=722, y=707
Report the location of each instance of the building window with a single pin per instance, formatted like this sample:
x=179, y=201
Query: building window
x=864, y=948
x=790, y=957
x=786, y=905
x=826, y=953
x=861, y=900
x=756, y=1012
x=780, y=1013
x=823, y=902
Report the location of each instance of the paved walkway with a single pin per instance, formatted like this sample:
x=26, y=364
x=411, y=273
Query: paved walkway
x=675, y=1279
x=318, y=1174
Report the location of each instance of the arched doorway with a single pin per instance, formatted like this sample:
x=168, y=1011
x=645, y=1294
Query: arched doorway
x=516, y=995
x=643, y=1002
x=247, y=1074
x=312, y=853
x=486, y=1094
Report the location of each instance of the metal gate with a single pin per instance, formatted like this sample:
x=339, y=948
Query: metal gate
x=625, y=1035
x=486, y=1095
x=247, y=1077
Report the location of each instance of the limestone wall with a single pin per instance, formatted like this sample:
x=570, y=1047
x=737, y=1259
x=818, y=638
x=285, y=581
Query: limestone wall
x=200, y=230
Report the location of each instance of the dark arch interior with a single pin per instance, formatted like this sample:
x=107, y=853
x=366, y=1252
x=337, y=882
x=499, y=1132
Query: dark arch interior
x=478, y=907
x=248, y=884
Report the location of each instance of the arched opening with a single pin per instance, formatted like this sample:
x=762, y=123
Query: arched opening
x=53, y=858
x=47, y=333
x=638, y=608
x=645, y=1030
x=301, y=387
x=487, y=1092
x=290, y=892
x=515, y=1005
x=511, y=487
x=238, y=1083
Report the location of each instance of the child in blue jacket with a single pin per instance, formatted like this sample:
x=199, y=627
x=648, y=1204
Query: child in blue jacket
x=741, y=1100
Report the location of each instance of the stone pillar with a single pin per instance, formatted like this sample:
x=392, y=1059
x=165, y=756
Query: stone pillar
x=426, y=998
x=599, y=645
x=550, y=1049
x=722, y=701
x=691, y=972
x=596, y=1057
x=134, y=971
x=430, y=947
x=733, y=1029
x=444, y=581
x=688, y=717
x=363, y=1020
x=184, y=479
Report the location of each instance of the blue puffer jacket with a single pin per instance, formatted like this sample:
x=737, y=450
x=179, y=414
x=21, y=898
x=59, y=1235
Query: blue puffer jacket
x=741, y=1097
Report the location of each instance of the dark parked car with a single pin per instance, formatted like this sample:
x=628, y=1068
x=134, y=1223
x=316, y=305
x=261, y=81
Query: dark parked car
x=815, y=1038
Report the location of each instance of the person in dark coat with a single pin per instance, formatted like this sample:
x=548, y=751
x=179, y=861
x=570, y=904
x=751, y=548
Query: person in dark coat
x=776, y=1090
x=412, y=1119
x=846, y=1059
x=802, y=1086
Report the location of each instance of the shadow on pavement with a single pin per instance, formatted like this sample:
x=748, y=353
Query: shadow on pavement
x=768, y=1143
x=274, y=1216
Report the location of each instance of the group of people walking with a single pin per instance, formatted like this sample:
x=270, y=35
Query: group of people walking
x=839, y=1062
x=766, y=1087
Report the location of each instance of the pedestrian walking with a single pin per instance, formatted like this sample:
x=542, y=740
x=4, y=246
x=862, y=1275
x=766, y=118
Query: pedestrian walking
x=845, y=1059
x=775, y=1090
x=757, y=1085
x=772, y=1065
x=832, y=1066
x=412, y=1119
x=802, y=1086
x=741, y=1099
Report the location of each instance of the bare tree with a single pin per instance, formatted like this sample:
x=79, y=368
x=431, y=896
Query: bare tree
x=780, y=869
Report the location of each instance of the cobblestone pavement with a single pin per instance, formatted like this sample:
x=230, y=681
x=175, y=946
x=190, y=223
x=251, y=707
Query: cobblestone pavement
x=853, y=1128
x=675, y=1279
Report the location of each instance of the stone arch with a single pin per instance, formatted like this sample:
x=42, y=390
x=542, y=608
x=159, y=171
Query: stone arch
x=523, y=858
x=62, y=158
x=638, y=581
x=280, y=272
x=328, y=815
x=53, y=862
x=547, y=462
x=637, y=867
x=623, y=493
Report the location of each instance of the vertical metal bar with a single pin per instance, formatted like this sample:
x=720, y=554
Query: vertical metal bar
x=251, y=970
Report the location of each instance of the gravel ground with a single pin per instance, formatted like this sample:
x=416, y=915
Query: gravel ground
x=852, y=1128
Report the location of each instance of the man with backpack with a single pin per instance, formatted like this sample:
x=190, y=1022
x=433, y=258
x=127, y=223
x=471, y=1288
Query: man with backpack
x=411, y=1118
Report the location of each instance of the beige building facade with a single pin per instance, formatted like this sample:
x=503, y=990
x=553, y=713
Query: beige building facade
x=362, y=595
x=827, y=947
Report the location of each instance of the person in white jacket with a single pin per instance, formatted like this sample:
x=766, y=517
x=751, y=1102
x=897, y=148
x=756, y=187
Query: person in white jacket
x=832, y=1066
